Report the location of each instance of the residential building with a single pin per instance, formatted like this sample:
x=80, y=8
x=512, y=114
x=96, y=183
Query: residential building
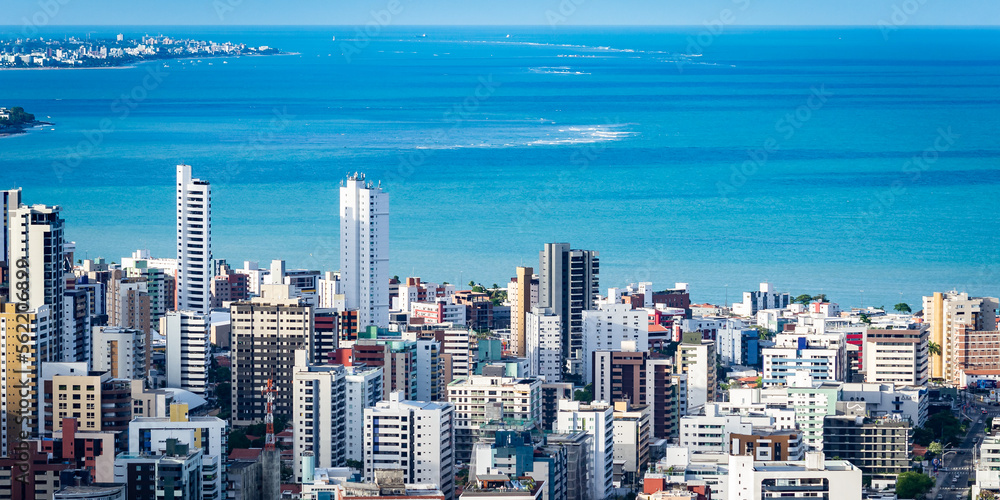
x=398, y=360
x=320, y=414
x=364, y=250
x=95, y=400
x=194, y=242
x=597, y=421
x=478, y=309
x=363, y=387
x=711, y=432
x=613, y=327
x=814, y=477
x=168, y=436
x=229, y=287
x=543, y=338
x=503, y=487
x=189, y=350
x=987, y=468
x=879, y=447
x=522, y=294
x=767, y=445
x=899, y=357
x=121, y=351
x=568, y=283
x=266, y=332
x=945, y=313
x=823, y=355
x=696, y=358
x=414, y=437
x=667, y=396
x=764, y=298
x=631, y=437
x=483, y=404
x=429, y=380
x=177, y=473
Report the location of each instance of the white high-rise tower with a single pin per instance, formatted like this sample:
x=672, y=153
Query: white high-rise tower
x=364, y=250
x=194, y=242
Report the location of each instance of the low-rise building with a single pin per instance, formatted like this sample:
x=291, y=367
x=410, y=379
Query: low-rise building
x=814, y=477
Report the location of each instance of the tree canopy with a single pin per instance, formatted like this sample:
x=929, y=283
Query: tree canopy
x=902, y=307
x=913, y=484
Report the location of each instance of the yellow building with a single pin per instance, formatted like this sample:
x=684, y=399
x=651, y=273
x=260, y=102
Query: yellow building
x=945, y=314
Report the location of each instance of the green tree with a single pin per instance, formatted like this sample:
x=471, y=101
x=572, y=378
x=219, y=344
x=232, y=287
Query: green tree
x=819, y=298
x=935, y=448
x=472, y=283
x=866, y=319
x=934, y=348
x=356, y=465
x=802, y=299
x=478, y=289
x=902, y=307
x=238, y=439
x=913, y=484
x=585, y=395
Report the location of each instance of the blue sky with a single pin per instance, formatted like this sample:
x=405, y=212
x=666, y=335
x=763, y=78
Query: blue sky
x=502, y=12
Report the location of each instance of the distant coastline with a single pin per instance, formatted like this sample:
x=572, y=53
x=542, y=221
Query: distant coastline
x=136, y=64
x=78, y=53
x=21, y=129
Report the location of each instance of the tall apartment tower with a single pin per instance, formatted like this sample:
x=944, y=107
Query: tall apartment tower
x=568, y=284
x=188, y=353
x=521, y=301
x=948, y=313
x=265, y=334
x=194, y=242
x=414, y=437
x=9, y=200
x=364, y=250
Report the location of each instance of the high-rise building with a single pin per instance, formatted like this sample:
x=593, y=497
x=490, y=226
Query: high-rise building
x=947, y=313
x=194, y=242
x=189, y=350
x=266, y=332
x=568, y=284
x=543, y=336
x=364, y=390
x=695, y=358
x=414, y=437
x=129, y=303
x=613, y=327
x=484, y=405
x=597, y=420
x=896, y=357
x=96, y=401
x=9, y=200
x=149, y=436
x=320, y=416
x=522, y=293
x=364, y=249
x=176, y=473
x=122, y=352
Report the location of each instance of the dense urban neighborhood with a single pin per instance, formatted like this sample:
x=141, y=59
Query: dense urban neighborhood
x=192, y=376
x=73, y=52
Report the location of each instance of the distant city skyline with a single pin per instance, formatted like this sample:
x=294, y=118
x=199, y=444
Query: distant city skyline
x=510, y=12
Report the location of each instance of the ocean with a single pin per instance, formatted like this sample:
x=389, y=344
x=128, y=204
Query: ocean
x=844, y=161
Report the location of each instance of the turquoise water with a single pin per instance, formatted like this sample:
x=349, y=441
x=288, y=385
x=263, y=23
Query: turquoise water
x=610, y=139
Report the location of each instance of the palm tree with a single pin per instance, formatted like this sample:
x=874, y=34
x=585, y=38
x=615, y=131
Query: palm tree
x=934, y=348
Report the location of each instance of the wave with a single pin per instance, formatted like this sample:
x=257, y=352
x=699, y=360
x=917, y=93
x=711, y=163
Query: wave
x=557, y=70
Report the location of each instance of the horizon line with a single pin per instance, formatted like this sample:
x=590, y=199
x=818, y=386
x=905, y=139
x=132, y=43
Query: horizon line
x=562, y=26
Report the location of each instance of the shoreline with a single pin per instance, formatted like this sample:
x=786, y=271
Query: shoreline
x=23, y=129
x=136, y=64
